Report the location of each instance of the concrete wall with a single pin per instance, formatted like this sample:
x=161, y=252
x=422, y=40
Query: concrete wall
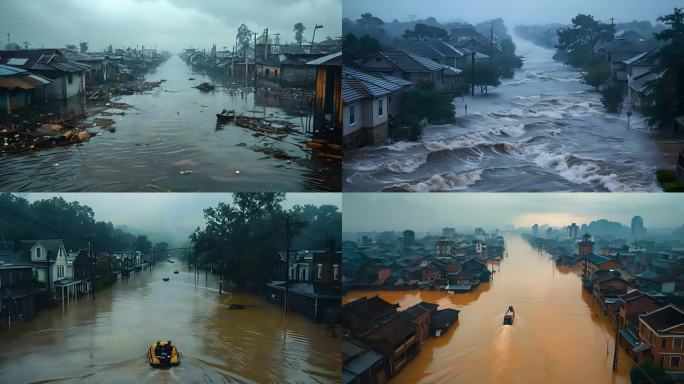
x=62, y=89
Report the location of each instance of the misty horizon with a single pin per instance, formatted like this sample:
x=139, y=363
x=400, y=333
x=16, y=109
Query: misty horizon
x=365, y=212
x=165, y=24
x=520, y=12
x=166, y=216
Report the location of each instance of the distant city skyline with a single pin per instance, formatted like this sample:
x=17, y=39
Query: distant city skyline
x=429, y=212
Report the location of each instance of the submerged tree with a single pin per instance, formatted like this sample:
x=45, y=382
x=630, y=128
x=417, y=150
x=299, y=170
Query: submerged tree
x=597, y=73
x=612, y=98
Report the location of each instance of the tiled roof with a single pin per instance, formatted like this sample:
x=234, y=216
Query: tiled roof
x=596, y=259
x=663, y=319
x=357, y=85
x=362, y=312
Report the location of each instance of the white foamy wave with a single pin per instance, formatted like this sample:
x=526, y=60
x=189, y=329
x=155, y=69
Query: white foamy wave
x=468, y=140
x=445, y=182
x=405, y=165
x=512, y=131
x=585, y=172
x=400, y=146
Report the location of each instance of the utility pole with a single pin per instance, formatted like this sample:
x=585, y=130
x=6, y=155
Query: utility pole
x=221, y=270
x=472, y=74
x=255, y=57
x=491, y=38
x=314, y=37
x=92, y=266
x=287, y=259
x=615, y=348
x=266, y=45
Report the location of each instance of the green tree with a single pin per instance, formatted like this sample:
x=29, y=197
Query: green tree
x=597, y=73
x=72, y=47
x=666, y=91
x=612, y=98
x=244, y=36
x=83, y=46
x=648, y=372
x=506, y=60
x=487, y=74
x=576, y=43
x=143, y=244
x=299, y=32
x=422, y=102
x=423, y=31
x=358, y=49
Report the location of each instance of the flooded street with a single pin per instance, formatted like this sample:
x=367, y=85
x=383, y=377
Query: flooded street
x=168, y=141
x=543, y=130
x=559, y=334
x=106, y=340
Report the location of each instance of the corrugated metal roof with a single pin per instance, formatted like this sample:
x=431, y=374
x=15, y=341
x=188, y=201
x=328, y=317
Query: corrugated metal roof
x=326, y=59
x=409, y=62
x=7, y=71
x=70, y=66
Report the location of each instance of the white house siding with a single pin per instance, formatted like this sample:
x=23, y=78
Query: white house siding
x=347, y=127
x=60, y=89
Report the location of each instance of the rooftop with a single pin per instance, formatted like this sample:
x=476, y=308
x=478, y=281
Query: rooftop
x=664, y=319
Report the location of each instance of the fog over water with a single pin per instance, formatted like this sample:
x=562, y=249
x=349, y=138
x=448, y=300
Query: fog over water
x=513, y=12
x=422, y=211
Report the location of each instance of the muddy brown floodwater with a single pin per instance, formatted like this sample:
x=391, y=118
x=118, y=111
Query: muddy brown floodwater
x=105, y=340
x=559, y=334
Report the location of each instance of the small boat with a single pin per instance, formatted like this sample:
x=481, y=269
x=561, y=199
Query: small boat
x=163, y=354
x=176, y=271
x=206, y=87
x=509, y=316
x=165, y=278
x=225, y=116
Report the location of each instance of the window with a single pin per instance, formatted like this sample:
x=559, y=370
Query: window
x=677, y=343
x=38, y=253
x=389, y=99
x=336, y=271
x=379, y=107
x=352, y=114
x=70, y=78
x=319, y=271
x=662, y=361
x=663, y=343
x=674, y=361
x=268, y=71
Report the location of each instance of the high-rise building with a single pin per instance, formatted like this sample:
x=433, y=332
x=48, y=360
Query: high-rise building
x=637, y=227
x=535, y=230
x=409, y=238
x=572, y=231
x=449, y=232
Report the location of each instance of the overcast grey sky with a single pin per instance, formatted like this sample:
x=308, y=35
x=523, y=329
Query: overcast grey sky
x=170, y=24
x=423, y=211
x=177, y=214
x=512, y=11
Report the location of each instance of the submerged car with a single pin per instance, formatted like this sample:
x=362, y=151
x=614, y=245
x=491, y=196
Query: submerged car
x=163, y=354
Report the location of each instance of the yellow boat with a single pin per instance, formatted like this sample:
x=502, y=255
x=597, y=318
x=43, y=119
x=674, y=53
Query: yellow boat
x=163, y=354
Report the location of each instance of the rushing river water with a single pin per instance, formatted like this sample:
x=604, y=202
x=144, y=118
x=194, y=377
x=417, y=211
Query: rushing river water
x=168, y=141
x=559, y=334
x=105, y=340
x=543, y=130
